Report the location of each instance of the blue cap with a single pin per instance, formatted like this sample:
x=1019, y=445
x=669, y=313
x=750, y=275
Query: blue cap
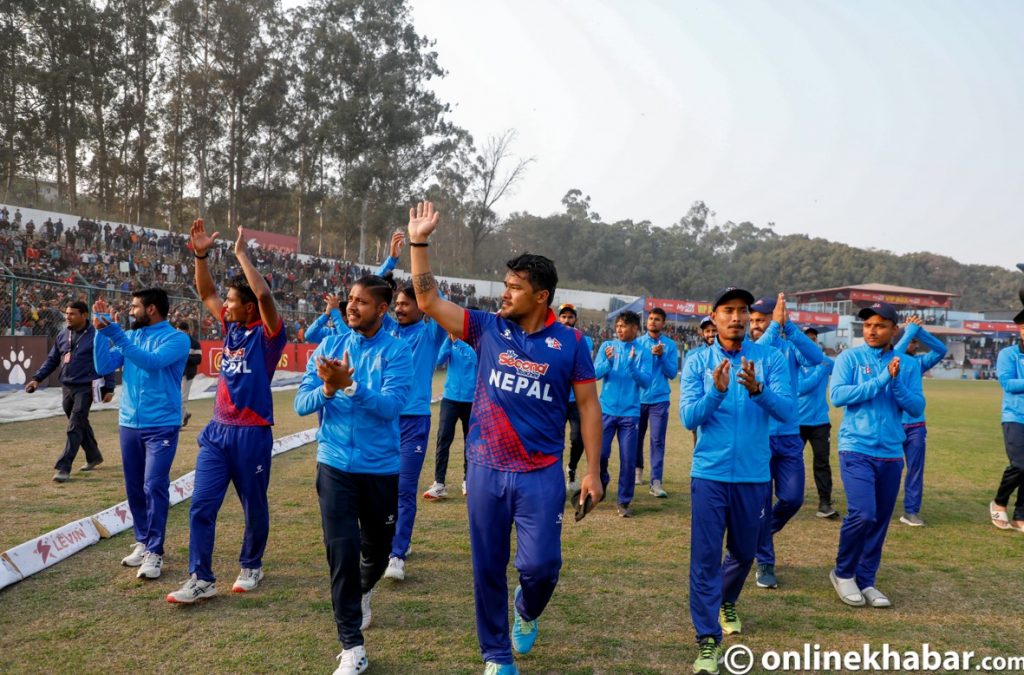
x=764, y=305
x=705, y=321
x=882, y=309
x=730, y=292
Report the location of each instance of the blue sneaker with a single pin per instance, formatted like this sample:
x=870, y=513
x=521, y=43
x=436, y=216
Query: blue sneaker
x=492, y=668
x=524, y=633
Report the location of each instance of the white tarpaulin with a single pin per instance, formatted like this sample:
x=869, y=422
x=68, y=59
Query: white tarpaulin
x=8, y=575
x=52, y=547
x=114, y=520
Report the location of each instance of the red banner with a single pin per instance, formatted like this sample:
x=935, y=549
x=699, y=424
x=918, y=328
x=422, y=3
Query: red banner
x=814, y=318
x=293, y=358
x=991, y=326
x=685, y=307
x=895, y=299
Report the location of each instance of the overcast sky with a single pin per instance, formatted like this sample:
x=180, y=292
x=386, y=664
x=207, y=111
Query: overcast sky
x=894, y=125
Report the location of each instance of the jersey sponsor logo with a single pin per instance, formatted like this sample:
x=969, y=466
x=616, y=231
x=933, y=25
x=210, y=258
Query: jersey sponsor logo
x=517, y=384
x=233, y=361
x=553, y=343
x=522, y=366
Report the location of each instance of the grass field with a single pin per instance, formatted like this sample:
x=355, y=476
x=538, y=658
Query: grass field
x=621, y=605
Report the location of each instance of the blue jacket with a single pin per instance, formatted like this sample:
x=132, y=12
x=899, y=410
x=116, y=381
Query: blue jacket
x=732, y=426
x=359, y=433
x=79, y=370
x=622, y=377
x=1010, y=370
x=812, y=396
x=153, y=358
x=319, y=329
x=794, y=342
x=666, y=367
x=424, y=338
x=460, y=380
x=590, y=350
x=926, y=360
x=874, y=401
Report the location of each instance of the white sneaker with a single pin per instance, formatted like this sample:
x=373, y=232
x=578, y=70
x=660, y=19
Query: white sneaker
x=248, y=579
x=463, y=488
x=352, y=661
x=135, y=558
x=999, y=517
x=396, y=569
x=639, y=477
x=367, y=611
x=193, y=590
x=657, y=491
x=875, y=598
x=435, y=492
x=151, y=564
x=847, y=590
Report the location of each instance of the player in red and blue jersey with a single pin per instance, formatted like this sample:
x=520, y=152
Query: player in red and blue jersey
x=528, y=362
x=235, y=446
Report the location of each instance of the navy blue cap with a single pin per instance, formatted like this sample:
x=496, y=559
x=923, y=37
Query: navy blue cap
x=730, y=292
x=705, y=321
x=882, y=309
x=764, y=305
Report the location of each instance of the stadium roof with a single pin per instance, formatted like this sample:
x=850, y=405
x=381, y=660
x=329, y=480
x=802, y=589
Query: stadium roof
x=865, y=294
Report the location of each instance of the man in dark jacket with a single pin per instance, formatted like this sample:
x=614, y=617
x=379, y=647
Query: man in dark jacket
x=72, y=352
x=195, y=356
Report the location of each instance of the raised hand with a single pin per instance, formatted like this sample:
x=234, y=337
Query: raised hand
x=894, y=366
x=747, y=377
x=632, y=353
x=780, y=315
x=423, y=221
x=609, y=352
x=200, y=240
x=333, y=302
x=721, y=376
x=915, y=319
x=240, y=245
x=397, y=242
x=658, y=349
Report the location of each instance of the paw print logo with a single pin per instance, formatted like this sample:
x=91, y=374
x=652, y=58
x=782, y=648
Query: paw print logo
x=16, y=366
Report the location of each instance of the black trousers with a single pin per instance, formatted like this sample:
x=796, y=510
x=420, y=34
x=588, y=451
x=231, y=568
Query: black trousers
x=819, y=438
x=77, y=402
x=1013, y=476
x=358, y=512
x=451, y=412
x=575, y=438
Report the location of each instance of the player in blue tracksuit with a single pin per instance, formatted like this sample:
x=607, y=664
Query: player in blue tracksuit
x=528, y=362
x=360, y=381
x=654, y=398
x=769, y=325
x=815, y=426
x=915, y=427
x=153, y=355
x=456, y=406
x=331, y=322
x=729, y=392
x=567, y=317
x=235, y=447
x=425, y=337
x=876, y=386
x=625, y=368
x=1010, y=371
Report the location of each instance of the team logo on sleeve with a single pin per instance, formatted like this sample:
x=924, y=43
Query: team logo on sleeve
x=553, y=343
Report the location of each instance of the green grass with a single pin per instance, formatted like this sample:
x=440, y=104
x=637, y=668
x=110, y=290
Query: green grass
x=621, y=605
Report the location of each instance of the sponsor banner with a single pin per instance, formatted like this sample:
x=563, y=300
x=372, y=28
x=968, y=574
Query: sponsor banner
x=114, y=520
x=52, y=547
x=684, y=307
x=293, y=358
x=901, y=300
x=991, y=326
x=8, y=573
x=813, y=318
x=290, y=442
x=20, y=358
x=182, y=488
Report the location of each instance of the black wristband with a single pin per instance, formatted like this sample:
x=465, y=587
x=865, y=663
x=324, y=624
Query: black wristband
x=201, y=257
x=416, y=243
